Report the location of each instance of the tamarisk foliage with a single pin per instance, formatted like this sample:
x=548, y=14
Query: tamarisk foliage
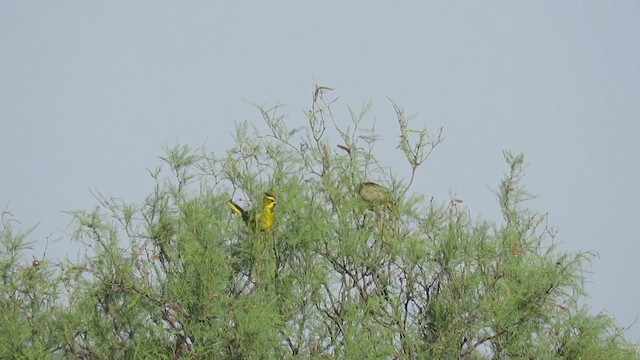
x=177, y=276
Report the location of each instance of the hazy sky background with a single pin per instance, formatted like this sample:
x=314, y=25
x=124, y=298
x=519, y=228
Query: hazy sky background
x=90, y=92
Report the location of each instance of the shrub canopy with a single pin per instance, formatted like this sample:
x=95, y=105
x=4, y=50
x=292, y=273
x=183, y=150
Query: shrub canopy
x=336, y=277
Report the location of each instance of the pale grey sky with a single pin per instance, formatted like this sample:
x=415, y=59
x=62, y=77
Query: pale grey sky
x=89, y=92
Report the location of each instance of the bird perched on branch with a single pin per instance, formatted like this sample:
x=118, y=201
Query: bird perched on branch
x=258, y=220
x=375, y=195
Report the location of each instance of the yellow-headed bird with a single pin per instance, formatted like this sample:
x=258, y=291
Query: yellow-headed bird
x=262, y=220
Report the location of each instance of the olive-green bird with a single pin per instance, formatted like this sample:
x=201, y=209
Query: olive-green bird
x=375, y=195
x=262, y=220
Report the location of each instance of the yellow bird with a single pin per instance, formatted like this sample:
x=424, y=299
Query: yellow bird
x=262, y=220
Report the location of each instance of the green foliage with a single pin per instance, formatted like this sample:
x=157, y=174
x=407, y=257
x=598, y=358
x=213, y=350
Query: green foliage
x=179, y=277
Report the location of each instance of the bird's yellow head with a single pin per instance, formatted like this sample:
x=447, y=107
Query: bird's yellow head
x=269, y=201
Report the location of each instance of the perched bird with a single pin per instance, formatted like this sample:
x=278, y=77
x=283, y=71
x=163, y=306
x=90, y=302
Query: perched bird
x=375, y=195
x=258, y=220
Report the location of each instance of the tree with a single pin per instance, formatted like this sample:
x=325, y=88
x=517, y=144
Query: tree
x=179, y=277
